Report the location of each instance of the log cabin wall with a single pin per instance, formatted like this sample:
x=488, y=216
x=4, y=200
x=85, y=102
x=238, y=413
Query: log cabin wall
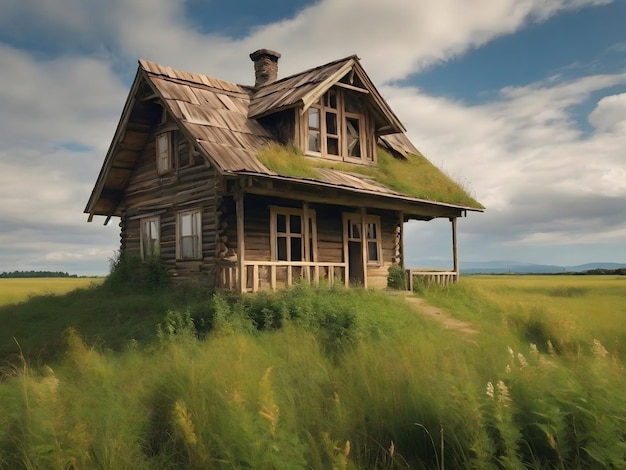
x=192, y=184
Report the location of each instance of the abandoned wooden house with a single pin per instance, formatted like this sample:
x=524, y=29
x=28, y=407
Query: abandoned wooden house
x=252, y=187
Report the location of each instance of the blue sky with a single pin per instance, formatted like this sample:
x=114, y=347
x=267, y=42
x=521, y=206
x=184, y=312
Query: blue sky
x=522, y=101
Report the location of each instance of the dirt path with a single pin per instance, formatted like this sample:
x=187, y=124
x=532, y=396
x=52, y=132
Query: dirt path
x=439, y=314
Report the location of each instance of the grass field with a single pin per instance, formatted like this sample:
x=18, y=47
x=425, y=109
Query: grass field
x=317, y=378
x=13, y=290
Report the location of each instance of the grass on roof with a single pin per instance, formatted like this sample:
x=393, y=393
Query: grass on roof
x=414, y=176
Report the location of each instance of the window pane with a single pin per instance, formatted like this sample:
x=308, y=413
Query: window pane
x=354, y=140
x=314, y=118
x=186, y=225
x=188, y=247
x=314, y=141
x=371, y=230
x=295, y=226
x=356, y=231
x=372, y=251
x=296, y=249
x=331, y=123
x=281, y=245
x=281, y=223
x=332, y=145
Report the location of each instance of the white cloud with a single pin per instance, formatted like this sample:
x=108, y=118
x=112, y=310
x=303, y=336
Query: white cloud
x=610, y=114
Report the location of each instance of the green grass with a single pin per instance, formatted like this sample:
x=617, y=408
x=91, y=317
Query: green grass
x=415, y=176
x=315, y=378
x=18, y=290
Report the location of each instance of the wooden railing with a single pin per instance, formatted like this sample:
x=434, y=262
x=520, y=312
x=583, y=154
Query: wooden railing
x=259, y=275
x=440, y=278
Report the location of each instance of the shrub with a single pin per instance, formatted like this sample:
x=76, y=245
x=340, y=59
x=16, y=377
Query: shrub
x=130, y=272
x=396, y=277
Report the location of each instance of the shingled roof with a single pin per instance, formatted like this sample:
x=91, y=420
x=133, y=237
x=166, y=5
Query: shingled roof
x=220, y=117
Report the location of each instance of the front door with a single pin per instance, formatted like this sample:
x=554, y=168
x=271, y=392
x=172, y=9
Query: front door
x=353, y=247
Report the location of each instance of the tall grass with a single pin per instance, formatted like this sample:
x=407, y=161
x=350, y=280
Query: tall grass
x=316, y=378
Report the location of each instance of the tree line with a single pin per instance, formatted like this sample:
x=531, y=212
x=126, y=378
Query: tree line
x=23, y=274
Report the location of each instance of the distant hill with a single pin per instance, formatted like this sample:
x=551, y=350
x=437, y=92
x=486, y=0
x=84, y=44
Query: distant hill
x=514, y=267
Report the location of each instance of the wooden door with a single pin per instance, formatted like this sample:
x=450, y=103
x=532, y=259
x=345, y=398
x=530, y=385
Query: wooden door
x=353, y=248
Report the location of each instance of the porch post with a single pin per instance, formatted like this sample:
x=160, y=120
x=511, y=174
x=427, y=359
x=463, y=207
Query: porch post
x=306, y=240
x=455, y=248
x=400, y=241
x=364, y=245
x=241, y=249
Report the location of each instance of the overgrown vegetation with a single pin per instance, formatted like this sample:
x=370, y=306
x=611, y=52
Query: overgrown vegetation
x=314, y=378
x=415, y=176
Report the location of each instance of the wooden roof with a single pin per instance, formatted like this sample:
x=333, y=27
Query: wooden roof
x=220, y=118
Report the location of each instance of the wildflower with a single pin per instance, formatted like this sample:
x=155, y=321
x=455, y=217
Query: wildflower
x=551, y=348
x=503, y=394
x=490, y=390
x=522, y=360
x=533, y=350
x=598, y=349
x=511, y=352
x=182, y=419
x=507, y=369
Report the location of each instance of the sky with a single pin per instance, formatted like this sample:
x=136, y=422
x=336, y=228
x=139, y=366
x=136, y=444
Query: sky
x=521, y=101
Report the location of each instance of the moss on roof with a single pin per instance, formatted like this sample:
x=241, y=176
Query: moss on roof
x=414, y=176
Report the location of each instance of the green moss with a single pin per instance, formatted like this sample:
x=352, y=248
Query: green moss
x=287, y=161
x=414, y=176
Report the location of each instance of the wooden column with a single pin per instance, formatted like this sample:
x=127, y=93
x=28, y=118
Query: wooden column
x=364, y=245
x=401, y=247
x=455, y=248
x=306, y=240
x=241, y=249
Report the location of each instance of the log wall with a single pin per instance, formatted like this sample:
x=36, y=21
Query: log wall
x=193, y=184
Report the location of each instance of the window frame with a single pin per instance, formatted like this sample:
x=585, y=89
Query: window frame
x=351, y=219
x=170, y=152
x=324, y=107
x=275, y=211
x=142, y=231
x=195, y=224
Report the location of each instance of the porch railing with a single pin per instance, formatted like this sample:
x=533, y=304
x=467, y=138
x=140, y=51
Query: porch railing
x=440, y=278
x=259, y=275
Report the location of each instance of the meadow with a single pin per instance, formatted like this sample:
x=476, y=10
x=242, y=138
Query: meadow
x=14, y=290
x=317, y=378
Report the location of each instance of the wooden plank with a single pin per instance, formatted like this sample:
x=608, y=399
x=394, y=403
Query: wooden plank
x=273, y=277
x=255, y=278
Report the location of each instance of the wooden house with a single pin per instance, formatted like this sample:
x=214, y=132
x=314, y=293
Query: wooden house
x=253, y=187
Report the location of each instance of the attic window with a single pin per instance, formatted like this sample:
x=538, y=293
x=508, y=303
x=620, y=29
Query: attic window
x=165, y=152
x=336, y=127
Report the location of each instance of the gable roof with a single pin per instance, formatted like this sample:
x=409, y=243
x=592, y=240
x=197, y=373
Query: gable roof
x=220, y=118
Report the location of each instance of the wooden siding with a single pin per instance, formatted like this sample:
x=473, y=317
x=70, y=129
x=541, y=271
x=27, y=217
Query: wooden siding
x=193, y=184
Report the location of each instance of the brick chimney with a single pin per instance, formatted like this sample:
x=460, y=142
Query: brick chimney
x=265, y=66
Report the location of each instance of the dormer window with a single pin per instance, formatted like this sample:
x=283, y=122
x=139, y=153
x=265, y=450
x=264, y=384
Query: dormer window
x=337, y=127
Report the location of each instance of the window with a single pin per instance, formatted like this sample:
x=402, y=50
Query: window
x=190, y=235
x=372, y=235
x=165, y=152
x=288, y=237
x=336, y=126
x=149, y=237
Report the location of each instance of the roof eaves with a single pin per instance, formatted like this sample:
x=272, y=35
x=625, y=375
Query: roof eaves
x=119, y=132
